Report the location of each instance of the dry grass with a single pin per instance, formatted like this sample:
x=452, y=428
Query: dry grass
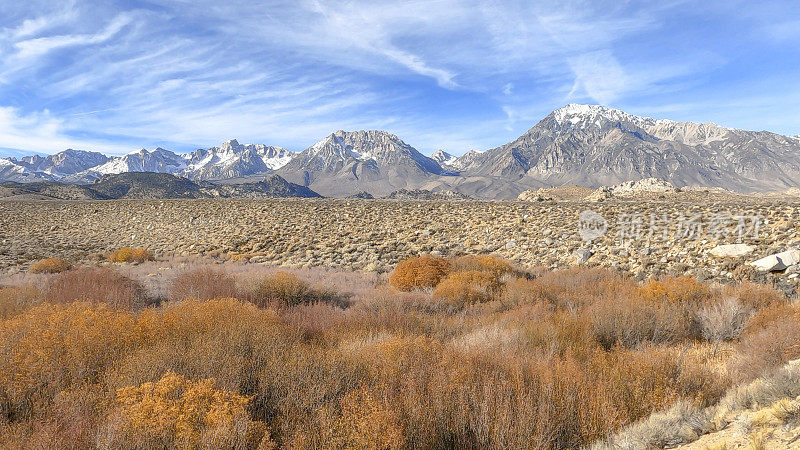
x=130, y=255
x=203, y=284
x=50, y=265
x=489, y=359
x=16, y=299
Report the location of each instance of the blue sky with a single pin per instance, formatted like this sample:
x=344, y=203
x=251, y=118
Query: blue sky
x=115, y=76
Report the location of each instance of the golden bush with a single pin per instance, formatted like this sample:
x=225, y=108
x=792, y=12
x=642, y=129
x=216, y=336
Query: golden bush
x=366, y=422
x=423, y=272
x=283, y=287
x=52, y=347
x=287, y=289
x=680, y=290
x=489, y=263
x=50, y=265
x=181, y=413
x=570, y=357
x=129, y=254
x=466, y=288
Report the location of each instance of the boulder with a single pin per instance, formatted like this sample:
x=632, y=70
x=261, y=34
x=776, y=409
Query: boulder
x=778, y=261
x=731, y=250
x=582, y=255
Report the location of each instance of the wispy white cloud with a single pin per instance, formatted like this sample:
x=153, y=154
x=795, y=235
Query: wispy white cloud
x=38, y=46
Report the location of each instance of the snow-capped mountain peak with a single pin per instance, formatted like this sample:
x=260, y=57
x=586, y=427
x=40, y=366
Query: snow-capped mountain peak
x=575, y=114
x=444, y=158
x=159, y=160
x=232, y=159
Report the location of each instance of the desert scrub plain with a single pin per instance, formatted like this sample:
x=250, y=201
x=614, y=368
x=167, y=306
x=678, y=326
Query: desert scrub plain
x=374, y=235
x=462, y=352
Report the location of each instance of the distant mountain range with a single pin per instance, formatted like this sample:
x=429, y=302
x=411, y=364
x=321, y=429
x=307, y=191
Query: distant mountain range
x=584, y=145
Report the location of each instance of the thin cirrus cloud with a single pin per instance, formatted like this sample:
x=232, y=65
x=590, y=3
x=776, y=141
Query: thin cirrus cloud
x=456, y=74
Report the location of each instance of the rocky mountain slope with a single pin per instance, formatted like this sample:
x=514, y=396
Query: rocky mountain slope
x=348, y=162
x=594, y=145
x=584, y=145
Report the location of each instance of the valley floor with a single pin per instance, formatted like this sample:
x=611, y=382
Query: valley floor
x=646, y=237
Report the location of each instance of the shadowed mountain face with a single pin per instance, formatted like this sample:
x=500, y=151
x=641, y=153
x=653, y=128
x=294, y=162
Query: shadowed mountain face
x=578, y=144
x=152, y=185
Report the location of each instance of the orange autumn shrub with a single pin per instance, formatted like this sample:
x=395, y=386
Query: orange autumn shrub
x=465, y=288
x=129, y=254
x=50, y=265
x=766, y=345
x=562, y=360
x=175, y=412
x=52, y=347
x=424, y=272
x=679, y=290
x=755, y=296
x=366, y=422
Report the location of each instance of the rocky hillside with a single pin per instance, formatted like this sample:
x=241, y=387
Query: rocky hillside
x=152, y=185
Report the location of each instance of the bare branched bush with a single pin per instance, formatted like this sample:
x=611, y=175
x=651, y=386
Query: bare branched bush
x=97, y=285
x=723, y=320
x=632, y=321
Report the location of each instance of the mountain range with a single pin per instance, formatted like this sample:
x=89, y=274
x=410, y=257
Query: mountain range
x=586, y=145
